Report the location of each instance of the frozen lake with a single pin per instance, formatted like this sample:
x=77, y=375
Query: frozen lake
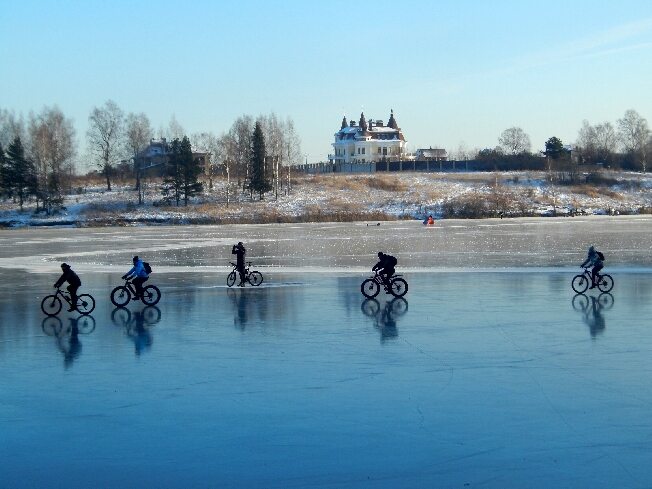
x=491, y=372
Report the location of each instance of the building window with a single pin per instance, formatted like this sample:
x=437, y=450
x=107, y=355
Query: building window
x=363, y=152
x=385, y=151
x=378, y=149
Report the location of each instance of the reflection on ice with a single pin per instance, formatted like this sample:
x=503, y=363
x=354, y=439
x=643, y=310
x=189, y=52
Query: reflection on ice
x=67, y=336
x=485, y=379
x=385, y=316
x=137, y=325
x=592, y=309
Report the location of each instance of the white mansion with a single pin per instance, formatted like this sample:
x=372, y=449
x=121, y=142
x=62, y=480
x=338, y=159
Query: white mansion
x=368, y=142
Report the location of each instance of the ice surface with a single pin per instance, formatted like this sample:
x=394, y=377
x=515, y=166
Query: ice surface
x=491, y=373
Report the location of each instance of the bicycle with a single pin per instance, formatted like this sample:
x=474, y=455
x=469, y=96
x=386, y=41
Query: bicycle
x=254, y=277
x=122, y=294
x=582, y=281
x=51, y=304
x=397, y=286
x=604, y=301
x=52, y=325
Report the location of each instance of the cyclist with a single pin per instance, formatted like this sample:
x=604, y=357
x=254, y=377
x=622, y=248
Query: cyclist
x=73, y=284
x=385, y=266
x=139, y=276
x=595, y=259
x=239, y=251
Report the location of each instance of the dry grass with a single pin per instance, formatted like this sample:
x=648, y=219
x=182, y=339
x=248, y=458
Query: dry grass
x=595, y=192
x=359, y=183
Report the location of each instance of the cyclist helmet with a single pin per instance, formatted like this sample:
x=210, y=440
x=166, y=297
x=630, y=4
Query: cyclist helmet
x=65, y=266
x=135, y=258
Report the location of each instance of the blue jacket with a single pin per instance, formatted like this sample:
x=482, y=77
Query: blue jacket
x=592, y=259
x=138, y=270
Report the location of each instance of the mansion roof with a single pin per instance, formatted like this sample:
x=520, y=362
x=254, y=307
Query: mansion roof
x=372, y=130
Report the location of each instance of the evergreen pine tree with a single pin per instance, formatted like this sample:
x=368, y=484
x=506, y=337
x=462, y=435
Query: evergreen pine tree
x=259, y=181
x=20, y=173
x=173, y=181
x=190, y=171
x=3, y=171
x=182, y=173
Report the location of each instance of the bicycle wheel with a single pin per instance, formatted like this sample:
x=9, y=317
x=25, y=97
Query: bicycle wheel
x=51, y=325
x=255, y=278
x=85, y=304
x=398, y=306
x=399, y=287
x=370, y=307
x=230, y=280
x=606, y=301
x=580, y=302
x=86, y=324
x=51, y=305
x=151, y=315
x=120, y=316
x=151, y=295
x=120, y=296
x=605, y=283
x=370, y=288
x=580, y=284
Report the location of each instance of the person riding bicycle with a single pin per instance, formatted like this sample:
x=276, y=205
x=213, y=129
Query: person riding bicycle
x=385, y=266
x=139, y=276
x=594, y=259
x=73, y=284
x=239, y=251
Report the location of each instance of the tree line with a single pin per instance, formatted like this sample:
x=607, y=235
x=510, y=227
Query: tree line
x=38, y=156
x=626, y=145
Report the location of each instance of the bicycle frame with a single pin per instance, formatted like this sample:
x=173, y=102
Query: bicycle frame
x=589, y=276
x=246, y=269
x=379, y=278
x=130, y=287
x=66, y=297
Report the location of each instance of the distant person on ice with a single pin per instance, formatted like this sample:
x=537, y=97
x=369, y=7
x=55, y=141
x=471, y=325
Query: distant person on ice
x=239, y=251
x=73, y=284
x=594, y=259
x=385, y=266
x=139, y=275
x=430, y=221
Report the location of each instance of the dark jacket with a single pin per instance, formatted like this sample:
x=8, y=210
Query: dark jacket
x=387, y=262
x=239, y=251
x=68, y=276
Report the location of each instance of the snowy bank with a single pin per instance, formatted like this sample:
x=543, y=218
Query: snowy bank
x=350, y=197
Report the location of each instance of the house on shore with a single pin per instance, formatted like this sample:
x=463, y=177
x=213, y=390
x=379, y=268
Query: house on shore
x=153, y=159
x=357, y=145
x=431, y=154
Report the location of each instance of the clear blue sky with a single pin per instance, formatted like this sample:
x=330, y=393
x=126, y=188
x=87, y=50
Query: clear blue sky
x=453, y=71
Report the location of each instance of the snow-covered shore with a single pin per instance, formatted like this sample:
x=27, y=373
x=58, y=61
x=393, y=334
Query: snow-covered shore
x=351, y=197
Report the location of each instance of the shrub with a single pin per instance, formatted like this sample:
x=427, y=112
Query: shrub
x=467, y=207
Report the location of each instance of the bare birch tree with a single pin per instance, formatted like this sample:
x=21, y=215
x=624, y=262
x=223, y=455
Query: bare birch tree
x=597, y=143
x=12, y=126
x=52, y=147
x=138, y=134
x=239, y=147
x=633, y=132
x=175, y=130
x=515, y=141
x=105, y=132
x=207, y=142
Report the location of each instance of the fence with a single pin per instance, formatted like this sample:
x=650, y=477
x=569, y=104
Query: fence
x=397, y=166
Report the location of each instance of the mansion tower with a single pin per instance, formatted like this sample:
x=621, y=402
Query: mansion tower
x=367, y=142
